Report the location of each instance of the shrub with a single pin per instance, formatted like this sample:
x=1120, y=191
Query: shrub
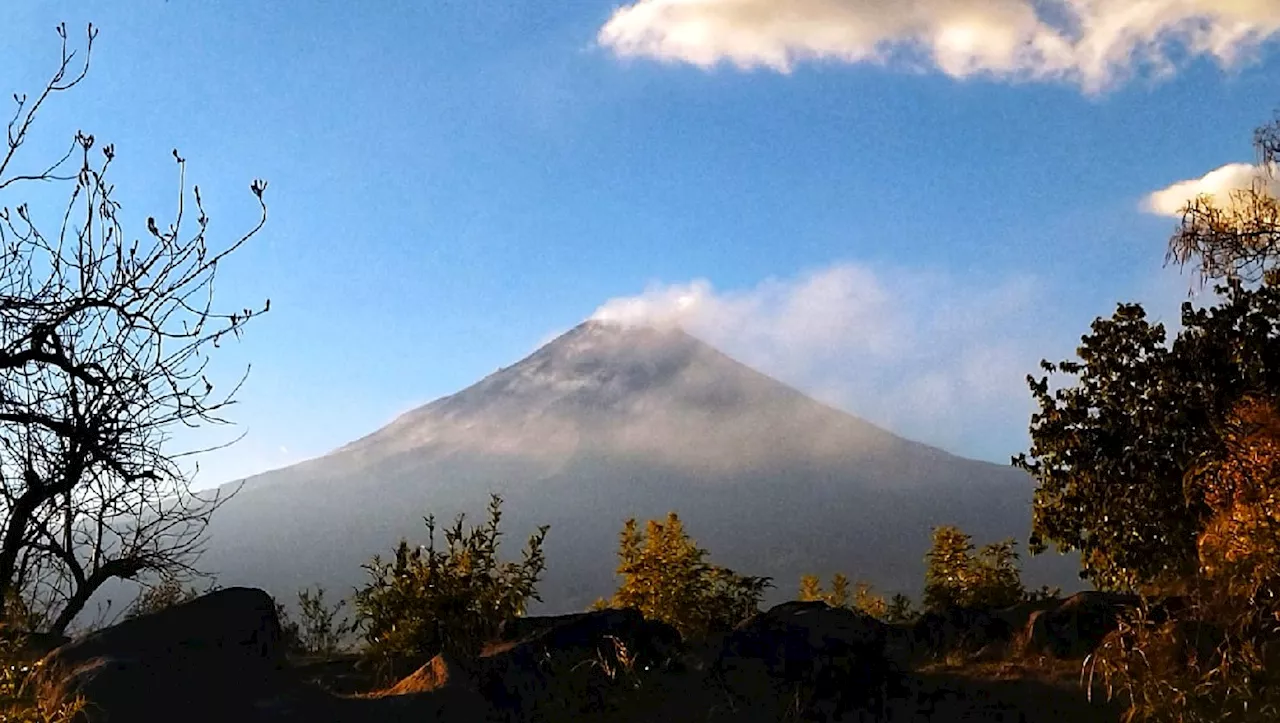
x=958, y=577
x=428, y=600
x=666, y=576
x=318, y=629
x=164, y=594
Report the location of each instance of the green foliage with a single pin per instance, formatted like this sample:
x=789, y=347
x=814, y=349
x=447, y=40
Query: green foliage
x=318, y=629
x=429, y=600
x=956, y=576
x=666, y=577
x=1161, y=463
x=1217, y=656
x=1110, y=451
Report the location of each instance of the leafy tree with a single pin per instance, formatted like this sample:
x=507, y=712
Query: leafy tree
x=957, y=576
x=1116, y=434
x=999, y=582
x=1110, y=452
x=105, y=340
x=666, y=576
x=1215, y=657
x=950, y=569
x=429, y=600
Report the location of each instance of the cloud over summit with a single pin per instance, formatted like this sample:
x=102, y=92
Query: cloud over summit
x=1092, y=43
x=931, y=356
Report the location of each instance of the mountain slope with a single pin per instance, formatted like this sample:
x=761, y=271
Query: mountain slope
x=608, y=422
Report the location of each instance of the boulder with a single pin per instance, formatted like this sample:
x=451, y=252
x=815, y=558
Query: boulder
x=439, y=673
x=1076, y=627
x=571, y=665
x=207, y=659
x=835, y=656
x=958, y=629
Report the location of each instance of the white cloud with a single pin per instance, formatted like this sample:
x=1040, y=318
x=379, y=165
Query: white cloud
x=935, y=357
x=1219, y=183
x=1093, y=43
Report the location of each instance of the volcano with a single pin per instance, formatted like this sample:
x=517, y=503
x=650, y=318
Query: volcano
x=613, y=421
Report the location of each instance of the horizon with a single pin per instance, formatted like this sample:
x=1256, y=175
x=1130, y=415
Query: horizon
x=899, y=218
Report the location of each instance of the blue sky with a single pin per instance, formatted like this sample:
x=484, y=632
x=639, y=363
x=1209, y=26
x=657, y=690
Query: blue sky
x=897, y=210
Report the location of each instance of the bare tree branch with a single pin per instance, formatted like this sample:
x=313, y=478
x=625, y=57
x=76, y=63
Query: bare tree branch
x=104, y=345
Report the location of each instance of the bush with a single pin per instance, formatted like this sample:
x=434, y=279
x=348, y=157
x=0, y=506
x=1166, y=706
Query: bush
x=318, y=629
x=428, y=601
x=957, y=577
x=666, y=576
x=164, y=594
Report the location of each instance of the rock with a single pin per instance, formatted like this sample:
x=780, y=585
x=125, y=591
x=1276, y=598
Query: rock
x=959, y=630
x=440, y=672
x=568, y=666
x=207, y=659
x=836, y=655
x=1018, y=615
x=1076, y=627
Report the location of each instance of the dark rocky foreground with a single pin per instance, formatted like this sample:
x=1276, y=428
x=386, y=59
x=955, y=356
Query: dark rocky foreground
x=221, y=658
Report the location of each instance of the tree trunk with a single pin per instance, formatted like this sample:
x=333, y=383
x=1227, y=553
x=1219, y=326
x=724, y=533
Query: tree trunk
x=11, y=546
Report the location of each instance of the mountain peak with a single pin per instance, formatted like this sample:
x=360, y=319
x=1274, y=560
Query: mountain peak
x=629, y=390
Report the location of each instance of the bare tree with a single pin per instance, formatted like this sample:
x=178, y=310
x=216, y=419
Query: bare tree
x=1237, y=237
x=104, y=342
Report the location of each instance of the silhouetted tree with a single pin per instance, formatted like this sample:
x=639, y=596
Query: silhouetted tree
x=1113, y=441
x=900, y=609
x=104, y=342
x=1236, y=236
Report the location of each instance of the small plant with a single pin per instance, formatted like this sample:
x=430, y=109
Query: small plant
x=319, y=630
